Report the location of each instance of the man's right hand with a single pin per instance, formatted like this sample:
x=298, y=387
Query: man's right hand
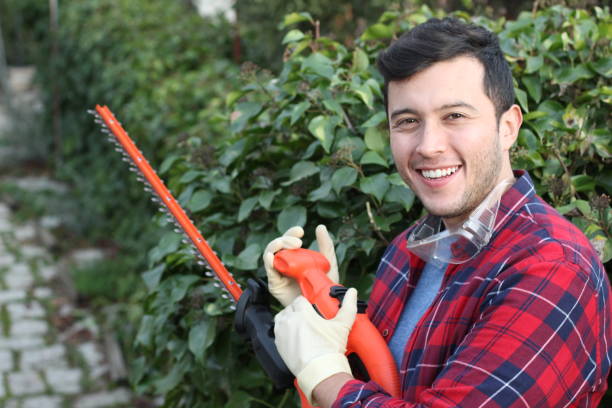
x=286, y=289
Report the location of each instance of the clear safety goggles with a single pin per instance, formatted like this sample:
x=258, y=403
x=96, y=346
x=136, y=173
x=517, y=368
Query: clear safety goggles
x=462, y=244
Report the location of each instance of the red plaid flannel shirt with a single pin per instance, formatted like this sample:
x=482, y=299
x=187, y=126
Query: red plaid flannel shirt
x=525, y=323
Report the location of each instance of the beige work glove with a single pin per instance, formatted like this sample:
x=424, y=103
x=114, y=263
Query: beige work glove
x=286, y=289
x=313, y=347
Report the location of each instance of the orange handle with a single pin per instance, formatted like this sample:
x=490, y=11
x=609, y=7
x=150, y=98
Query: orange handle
x=309, y=269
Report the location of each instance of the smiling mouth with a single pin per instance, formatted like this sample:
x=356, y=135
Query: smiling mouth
x=438, y=173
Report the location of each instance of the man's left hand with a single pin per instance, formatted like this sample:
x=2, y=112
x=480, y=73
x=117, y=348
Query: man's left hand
x=313, y=347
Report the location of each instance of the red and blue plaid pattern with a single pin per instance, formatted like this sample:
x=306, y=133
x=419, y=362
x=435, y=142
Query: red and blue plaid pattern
x=525, y=323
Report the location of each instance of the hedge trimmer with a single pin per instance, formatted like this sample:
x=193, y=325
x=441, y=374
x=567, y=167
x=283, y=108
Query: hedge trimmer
x=253, y=317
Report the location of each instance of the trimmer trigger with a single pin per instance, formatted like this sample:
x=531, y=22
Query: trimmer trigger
x=338, y=292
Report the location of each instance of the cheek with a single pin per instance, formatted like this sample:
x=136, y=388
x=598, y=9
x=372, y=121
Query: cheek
x=400, y=148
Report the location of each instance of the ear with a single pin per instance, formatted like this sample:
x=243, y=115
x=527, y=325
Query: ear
x=509, y=125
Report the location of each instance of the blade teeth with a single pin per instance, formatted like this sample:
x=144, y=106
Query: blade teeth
x=225, y=296
x=209, y=274
x=232, y=307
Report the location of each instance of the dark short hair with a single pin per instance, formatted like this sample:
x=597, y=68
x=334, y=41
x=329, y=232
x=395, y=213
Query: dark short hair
x=440, y=40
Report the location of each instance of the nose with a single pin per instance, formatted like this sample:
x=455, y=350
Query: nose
x=433, y=141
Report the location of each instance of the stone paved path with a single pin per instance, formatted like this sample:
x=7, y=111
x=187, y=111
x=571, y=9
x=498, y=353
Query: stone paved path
x=51, y=354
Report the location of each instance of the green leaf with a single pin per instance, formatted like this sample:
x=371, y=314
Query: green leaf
x=200, y=200
x=584, y=207
x=266, y=198
x=534, y=87
x=522, y=98
x=401, y=195
x=527, y=139
x=535, y=115
x=244, y=111
x=343, y=177
x=376, y=185
x=239, y=399
x=320, y=193
x=603, y=66
x=375, y=139
x=201, y=337
x=534, y=63
x=169, y=243
x=234, y=151
x=293, y=36
x=246, y=207
x=145, y=331
x=318, y=64
x=294, y=18
x=170, y=381
x=152, y=277
x=569, y=74
x=290, y=217
x=167, y=163
x=180, y=285
x=232, y=97
x=377, y=31
x=375, y=120
x=190, y=176
x=361, y=61
x=298, y=111
x=583, y=183
x=371, y=157
x=396, y=179
x=322, y=128
x=364, y=92
x=248, y=259
x=301, y=170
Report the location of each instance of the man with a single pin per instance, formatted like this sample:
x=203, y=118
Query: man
x=493, y=299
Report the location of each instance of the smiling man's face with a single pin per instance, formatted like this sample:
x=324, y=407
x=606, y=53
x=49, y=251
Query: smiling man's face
x=445, y=137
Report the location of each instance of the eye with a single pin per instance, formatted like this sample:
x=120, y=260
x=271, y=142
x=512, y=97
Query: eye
x=455, y=115
x=405, y=122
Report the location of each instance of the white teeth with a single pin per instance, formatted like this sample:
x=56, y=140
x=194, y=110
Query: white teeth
x=437, y=173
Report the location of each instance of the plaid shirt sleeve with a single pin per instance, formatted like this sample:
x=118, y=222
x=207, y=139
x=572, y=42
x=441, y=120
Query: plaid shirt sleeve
x=526, y=324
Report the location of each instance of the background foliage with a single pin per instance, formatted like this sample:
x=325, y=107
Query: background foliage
x=320, y=122
x=251, y=151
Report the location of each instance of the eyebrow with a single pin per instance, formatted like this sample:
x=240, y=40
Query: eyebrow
x=458, y=104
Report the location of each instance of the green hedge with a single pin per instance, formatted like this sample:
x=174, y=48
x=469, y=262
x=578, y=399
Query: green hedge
x=310, y=146
x=162, y=69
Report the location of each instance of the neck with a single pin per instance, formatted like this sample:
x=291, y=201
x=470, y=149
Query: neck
x=454, y=223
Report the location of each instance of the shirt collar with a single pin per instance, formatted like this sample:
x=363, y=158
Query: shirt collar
x=521, y=191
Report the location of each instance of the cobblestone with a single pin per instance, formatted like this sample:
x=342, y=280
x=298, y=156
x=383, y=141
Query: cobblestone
x=18, y=311
x=28, y=328
x=64, y=381
x=19, y=277
x=25, y=383
x=7, y=296
x=20, y=343
x=6, y=361
x=102, y=400
x=42, y=402
x=50, y=353
x=52, y=356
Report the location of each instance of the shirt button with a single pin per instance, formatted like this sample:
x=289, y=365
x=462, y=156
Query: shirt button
x=385, y=332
